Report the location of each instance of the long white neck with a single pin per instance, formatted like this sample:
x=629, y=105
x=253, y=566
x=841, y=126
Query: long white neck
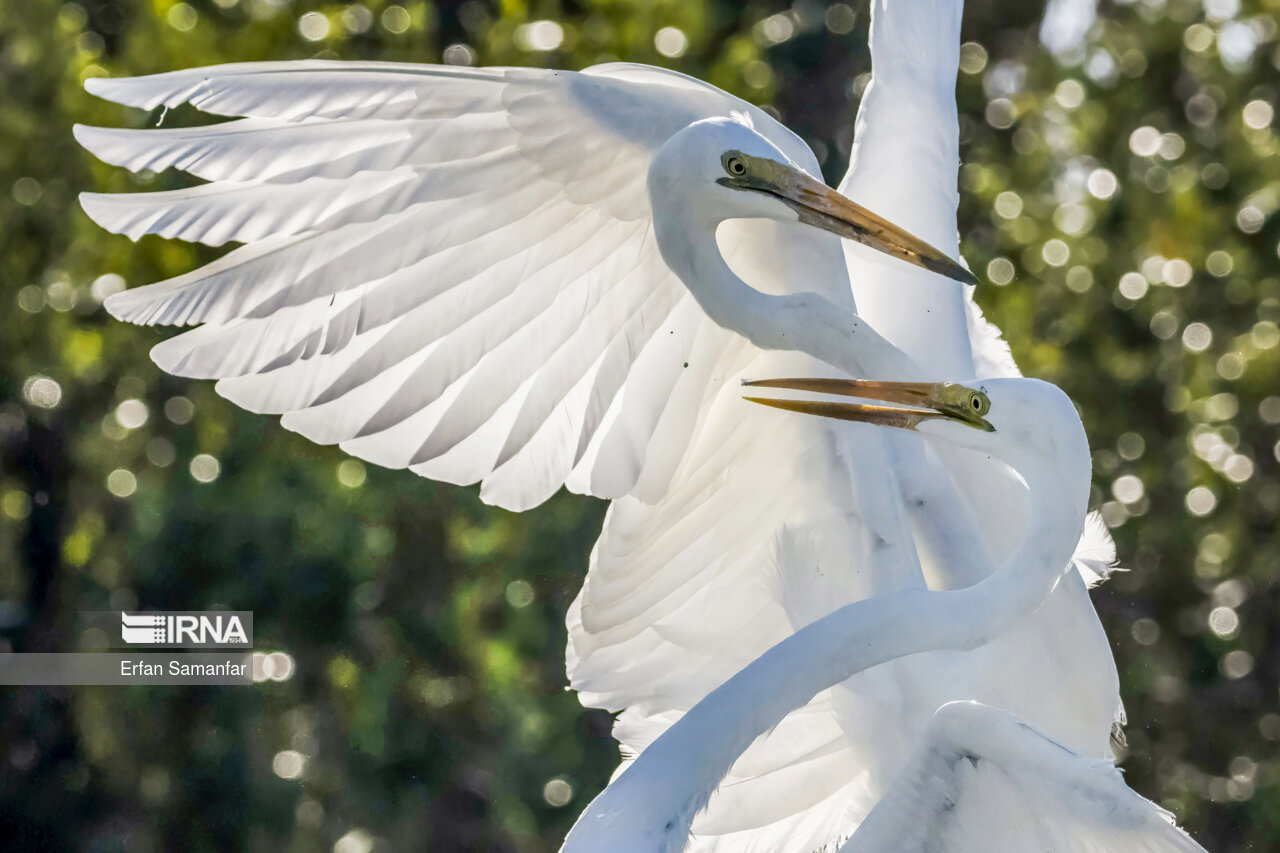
x=903, y=166
x=805, y=322
x=802, y=322
x=651, y=807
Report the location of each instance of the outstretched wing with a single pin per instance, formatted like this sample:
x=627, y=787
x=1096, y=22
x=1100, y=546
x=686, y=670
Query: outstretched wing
x=442, y=269
x=983, y=780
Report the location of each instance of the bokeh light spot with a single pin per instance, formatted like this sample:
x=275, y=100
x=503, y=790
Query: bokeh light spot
x=1176, y=273
x=288, y=764
x=1133, y=285
x=1236, y=664
x=179, y=410
x=182, y=17
x=1219, y=263
x=557, y=792
x=1146, y=632
x=1257, y=114
x=671, y=42
x=1223, y=621
x=1201, y=501
x=519, y=593
x=1000, y=271
x=351, y=473
x=1008, y=204
x=205, y=468
x=1055, y=252
x=840, y=19
x=42, y=392
x=357, y=19
x=395, y=20
x=1197, y=337
x=132, y=413
x=355, y=841
x=1145, y=141
x=122, y=483
x=313, y=26
x=1128, y=489
x=973, y=57
x=539, y=36
x=1069, y=94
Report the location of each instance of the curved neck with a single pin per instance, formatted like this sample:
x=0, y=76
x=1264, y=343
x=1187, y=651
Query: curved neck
x=802, y=322
x=655, y=800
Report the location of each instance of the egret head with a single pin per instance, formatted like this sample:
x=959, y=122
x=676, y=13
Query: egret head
x=1029, y=424
x=733, y=172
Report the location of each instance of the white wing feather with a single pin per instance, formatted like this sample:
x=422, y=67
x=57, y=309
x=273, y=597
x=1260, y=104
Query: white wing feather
x=984, y=779
x=450, y=270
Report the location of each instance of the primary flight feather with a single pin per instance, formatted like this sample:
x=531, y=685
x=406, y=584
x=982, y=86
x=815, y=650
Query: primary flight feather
x=458, y=271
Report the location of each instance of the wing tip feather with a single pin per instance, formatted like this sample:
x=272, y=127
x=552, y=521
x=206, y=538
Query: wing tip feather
x=99, y=207
x=134, y=306
x=171, y=356
x=98, y=86
x=98, y=141
x=81, y=132
x=120, y=90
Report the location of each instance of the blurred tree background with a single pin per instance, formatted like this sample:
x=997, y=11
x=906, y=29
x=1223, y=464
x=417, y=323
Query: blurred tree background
x=1118, y=196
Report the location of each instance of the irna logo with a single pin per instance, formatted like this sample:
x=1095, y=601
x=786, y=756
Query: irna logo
x=192, y=629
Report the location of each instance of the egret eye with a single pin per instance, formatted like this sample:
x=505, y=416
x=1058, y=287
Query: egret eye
x=979, y=403
x=734, y=166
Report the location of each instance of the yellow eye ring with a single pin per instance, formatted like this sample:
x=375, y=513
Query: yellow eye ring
x=734, y=166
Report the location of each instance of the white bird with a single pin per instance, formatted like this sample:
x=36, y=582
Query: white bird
x=981, y=779
x=765, y=530
x=524, y=277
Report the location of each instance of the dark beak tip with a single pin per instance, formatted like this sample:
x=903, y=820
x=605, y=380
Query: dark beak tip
x=957, y=272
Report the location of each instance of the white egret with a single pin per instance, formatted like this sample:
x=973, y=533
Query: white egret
x=764, y=530
x=516, y=276
x=471, y=273
x=506, y=275
x=981, y=779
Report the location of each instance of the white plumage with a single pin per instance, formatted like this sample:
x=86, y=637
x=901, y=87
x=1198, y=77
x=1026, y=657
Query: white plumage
x=430, y=251
x=977, y=763
x=976, y=778
x=457, y=271
x=766, y=532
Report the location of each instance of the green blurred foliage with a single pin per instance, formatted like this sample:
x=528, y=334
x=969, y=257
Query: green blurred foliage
x=1120, y=200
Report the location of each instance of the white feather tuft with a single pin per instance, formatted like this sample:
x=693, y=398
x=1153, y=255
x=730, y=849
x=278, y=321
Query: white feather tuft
x=1095, y=556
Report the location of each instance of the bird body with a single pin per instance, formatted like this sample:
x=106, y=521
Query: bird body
x=904, y=163
x=765, y=530
x=471, y=284
x=533, y=279
x=651, y=806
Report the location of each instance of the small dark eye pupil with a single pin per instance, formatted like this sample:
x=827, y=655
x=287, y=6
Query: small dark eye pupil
x=736, y=167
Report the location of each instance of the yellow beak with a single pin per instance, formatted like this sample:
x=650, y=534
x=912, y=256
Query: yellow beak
x=819, y=205
x=921, y=401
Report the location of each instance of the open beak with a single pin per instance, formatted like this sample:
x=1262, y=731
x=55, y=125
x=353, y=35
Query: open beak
x=915, y=401
x=820, y=206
